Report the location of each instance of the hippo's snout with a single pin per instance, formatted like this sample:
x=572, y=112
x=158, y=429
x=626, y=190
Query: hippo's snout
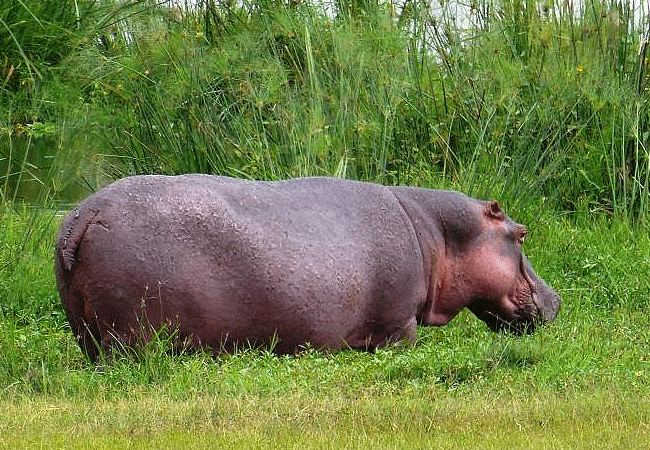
x=545, y=300
x=547, y=303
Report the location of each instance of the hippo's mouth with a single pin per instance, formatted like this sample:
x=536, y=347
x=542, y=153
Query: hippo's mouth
x=524, y=313
x=517, y=325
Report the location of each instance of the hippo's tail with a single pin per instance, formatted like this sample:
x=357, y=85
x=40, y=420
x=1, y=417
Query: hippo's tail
x=72, y=231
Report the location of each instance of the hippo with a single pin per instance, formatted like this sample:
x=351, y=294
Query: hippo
x=314, y=262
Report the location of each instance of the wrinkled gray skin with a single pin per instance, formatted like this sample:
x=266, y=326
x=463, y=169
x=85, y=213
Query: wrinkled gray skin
x=329, y=262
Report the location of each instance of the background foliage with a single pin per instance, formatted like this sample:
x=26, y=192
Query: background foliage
x=512, y=99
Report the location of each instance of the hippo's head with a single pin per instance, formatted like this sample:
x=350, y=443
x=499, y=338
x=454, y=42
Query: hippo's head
x=506, y=292
x=487, y=272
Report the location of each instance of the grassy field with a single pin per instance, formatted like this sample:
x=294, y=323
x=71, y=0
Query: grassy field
x=546, y=109
x=583, y=421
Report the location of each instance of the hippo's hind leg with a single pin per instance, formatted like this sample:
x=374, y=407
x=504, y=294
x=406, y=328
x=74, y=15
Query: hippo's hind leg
x=103, y=342
x=90, y=342
x=94, y=337
x=87, y=336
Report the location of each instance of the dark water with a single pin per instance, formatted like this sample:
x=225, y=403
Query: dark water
x=32, y=170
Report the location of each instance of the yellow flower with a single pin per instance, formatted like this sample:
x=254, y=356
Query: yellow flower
x=580, y=68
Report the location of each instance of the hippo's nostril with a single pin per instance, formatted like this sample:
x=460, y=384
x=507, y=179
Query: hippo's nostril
x=523, y=232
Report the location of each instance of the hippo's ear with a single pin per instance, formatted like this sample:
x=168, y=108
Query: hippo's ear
x=492, y=209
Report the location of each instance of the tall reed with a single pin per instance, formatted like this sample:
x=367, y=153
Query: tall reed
x=550, y=101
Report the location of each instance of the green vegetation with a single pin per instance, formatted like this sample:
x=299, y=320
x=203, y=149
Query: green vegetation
x=540, y=106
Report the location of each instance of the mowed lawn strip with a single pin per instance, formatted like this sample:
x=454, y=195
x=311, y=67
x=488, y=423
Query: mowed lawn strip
x=497, y=420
